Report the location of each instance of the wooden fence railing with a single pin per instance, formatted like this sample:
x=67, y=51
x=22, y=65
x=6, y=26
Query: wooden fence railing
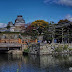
x=20, y=41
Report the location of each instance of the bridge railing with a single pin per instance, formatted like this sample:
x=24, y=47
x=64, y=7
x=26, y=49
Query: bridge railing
x=25, y=41
x=9, y=41
x=20, y=41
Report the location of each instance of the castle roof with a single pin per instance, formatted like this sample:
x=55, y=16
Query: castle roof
x=19, y=21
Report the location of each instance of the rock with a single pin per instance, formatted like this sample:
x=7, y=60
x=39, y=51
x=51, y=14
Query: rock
x=15, y=52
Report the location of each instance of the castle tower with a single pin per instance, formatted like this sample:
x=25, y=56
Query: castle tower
x=10, y=24
x=19, y=21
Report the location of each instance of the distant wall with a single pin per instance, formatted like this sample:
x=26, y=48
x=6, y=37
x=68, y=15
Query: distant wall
x=12, y=36
x=9, y=36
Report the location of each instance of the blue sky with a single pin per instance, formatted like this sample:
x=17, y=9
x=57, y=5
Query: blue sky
x=48, y=10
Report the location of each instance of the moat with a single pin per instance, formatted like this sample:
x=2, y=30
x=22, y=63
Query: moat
x=33, y=63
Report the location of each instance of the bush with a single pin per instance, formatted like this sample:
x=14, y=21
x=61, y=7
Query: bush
x=59, y=49
x=70, y=49
x=26, y=50
x=65, y=47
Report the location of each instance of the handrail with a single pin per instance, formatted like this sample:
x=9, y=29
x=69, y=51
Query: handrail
x=20, y=41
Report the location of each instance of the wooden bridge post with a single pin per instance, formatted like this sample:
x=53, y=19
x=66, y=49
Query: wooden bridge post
x=0, y=40
x=8, y=48
x=36, y=41
x=19, y=41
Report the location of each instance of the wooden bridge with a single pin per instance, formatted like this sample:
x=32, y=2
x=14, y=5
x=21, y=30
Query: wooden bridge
x=14, y=44
x=10, y=46
x=20, y=41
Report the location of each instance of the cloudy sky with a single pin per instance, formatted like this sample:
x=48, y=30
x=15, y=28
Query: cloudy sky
x=48, y=10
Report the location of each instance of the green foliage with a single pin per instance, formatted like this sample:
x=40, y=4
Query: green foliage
x=8, y=27
x=9, y=32
x=62, y=21
x=17, y=70
x=70, y=49
x=23, y=34
x=47, y=37
x=59, y=49
x=65, y=47
x=26, y=50
x=41, y=25
x=34, y=34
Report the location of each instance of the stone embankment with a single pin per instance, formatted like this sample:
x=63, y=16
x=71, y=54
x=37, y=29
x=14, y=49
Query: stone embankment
x=46, y=49
x=53, y=48
x=15, y=52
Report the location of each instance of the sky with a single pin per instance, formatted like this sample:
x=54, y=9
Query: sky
x=31, y=10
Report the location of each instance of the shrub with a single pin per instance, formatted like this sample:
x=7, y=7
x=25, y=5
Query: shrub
x=59, y=49
x=70, y=49
x=65, y=47
x=26, y=50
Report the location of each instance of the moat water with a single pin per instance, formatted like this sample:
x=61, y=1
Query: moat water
x=33, y=63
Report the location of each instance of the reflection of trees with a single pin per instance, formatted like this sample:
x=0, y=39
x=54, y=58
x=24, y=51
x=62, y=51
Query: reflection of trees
x=10, y=60
x=47, y=61
x=33, y=61
x=64, y=60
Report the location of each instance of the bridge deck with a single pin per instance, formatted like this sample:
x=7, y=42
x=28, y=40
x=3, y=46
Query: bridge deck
x=10, y=45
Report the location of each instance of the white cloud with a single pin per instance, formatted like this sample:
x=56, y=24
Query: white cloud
x=2, y=25
x=69, y=17
x=59, y=2
x=46, y=1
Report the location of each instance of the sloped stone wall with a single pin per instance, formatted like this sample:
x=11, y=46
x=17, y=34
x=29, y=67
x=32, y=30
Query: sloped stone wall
x=9, y=36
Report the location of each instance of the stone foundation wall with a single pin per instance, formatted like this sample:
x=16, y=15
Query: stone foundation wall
x=13, y=36
x=15, y=52
x=9, y=36
x=34, y=48
x=44, y=49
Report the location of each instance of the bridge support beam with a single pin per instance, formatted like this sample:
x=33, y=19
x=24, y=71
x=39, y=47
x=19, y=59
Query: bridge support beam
x=8, y=48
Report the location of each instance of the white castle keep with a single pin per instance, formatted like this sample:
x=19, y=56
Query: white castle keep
x=16, y=27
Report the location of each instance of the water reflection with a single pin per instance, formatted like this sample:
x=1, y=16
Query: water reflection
x=33, y=63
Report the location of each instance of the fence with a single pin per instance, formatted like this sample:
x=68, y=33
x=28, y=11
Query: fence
x=21, y=41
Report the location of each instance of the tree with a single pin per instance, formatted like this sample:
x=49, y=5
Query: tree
x=40, y=25
x=8, y=27
x=63, y=21
x=30, y=29
x=62, y=31
x=34, y=34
